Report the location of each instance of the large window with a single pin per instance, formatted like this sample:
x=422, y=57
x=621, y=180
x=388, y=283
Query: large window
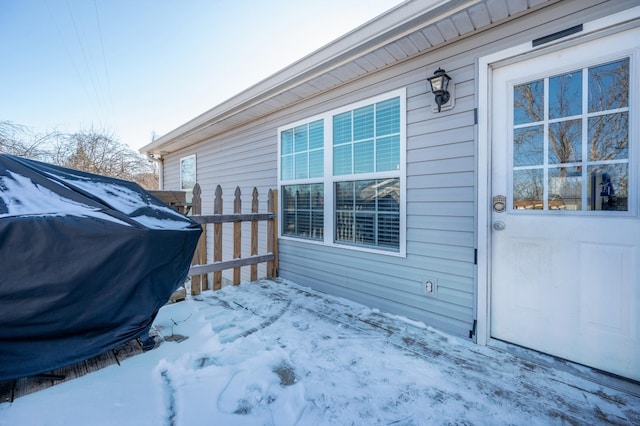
x=342, y=176
x=187, y=173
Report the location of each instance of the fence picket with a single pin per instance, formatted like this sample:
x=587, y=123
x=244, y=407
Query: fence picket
x=254, y=232
x=217, y=238
x=200, y=267
x=237, y=234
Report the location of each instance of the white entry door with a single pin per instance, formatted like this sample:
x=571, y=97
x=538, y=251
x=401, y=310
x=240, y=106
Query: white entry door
x=565, y=237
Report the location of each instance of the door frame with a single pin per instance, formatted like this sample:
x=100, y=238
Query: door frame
x=595, y=29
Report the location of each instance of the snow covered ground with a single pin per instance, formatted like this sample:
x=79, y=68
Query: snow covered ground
x=274, y=353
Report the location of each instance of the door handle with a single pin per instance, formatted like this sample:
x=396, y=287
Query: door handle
x=499, y=226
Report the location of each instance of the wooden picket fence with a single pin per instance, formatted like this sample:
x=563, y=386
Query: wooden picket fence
x=200, y=268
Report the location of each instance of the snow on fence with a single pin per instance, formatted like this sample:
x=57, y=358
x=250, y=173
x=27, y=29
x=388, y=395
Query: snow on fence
x=200, y=268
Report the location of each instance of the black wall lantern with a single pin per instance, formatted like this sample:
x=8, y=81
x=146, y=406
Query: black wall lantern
x=439, y=84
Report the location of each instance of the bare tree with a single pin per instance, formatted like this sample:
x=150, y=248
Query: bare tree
x=16, y=139
x=94, y=151
x=98, y=151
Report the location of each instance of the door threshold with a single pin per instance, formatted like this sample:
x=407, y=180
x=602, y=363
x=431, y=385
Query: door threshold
x=594, y=375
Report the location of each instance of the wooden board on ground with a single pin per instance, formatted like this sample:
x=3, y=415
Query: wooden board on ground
x=10, y=390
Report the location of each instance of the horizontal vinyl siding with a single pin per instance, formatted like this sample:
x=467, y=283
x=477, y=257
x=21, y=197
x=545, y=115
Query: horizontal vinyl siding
x=440, y=202
x=441, y=169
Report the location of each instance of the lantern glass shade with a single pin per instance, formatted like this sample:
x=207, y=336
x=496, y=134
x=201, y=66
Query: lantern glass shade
x=439, y=81
x=439, y=84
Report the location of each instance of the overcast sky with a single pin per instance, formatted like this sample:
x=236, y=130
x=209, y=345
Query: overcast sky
x=135, y=67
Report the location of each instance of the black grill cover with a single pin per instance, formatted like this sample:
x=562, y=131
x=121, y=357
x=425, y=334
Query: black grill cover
x=86, y=262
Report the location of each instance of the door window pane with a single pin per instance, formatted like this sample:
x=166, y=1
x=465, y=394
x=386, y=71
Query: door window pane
x=528, y=189
x=609, y=137
x=565, y=188
x=565, y=95
x=528, y=146
x=608, y=187
x=565, y=142
x=528, y=102
x=571, y=151
x=609, y=86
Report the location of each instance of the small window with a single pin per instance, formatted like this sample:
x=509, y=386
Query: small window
x=354, y=158
x=187, y=173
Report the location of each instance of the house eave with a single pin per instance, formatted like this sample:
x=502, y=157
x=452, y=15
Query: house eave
x=398, y=23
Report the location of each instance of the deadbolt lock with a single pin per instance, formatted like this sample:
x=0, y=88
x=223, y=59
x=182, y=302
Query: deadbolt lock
x=499, y=203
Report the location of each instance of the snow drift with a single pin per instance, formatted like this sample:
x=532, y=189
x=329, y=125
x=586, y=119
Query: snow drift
x=86, y=262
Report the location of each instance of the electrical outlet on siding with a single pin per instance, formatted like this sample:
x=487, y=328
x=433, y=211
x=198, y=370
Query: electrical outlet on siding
x=430, y=287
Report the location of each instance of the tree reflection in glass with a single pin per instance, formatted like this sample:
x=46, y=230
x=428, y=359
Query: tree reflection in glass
x=582, y=171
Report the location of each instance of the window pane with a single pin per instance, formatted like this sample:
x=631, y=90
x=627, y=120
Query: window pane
x=316, y=134
x=363, y=123
x=187, y=173
x=528, y=102
x=289, y=198
x=286, y=141
x=300, y=138
x=302, y=208
x=365, y=232
x=528, y=189
x=609, y=86
x=388, y=226
x=608, y=187
x=301, y=166
x=316, y=163
x=303, y=223
x=388, y=154
x=565, y=142
x=289, y=223
x=389, y=195
x=342, y=160
x=565, y=188
x=365, y=195
x=286, y=168
x=342, y=128
x=344, y=195
x=528, y=146
x=565, y=95
x=388, y=117
x=609, y=137
x=295, y=153
x=344, y=226
x=363, y=157
x=367, y=212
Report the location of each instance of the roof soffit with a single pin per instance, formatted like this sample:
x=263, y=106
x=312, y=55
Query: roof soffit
x=407, y=30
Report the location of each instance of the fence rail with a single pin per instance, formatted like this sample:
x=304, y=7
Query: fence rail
x=200, y=268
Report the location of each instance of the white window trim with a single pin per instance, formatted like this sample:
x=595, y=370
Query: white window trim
x=195, y=171
x=329, y=180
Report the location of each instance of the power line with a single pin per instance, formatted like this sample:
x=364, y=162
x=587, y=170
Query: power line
x=86, y=61
x=68, y=50
x=104, y=61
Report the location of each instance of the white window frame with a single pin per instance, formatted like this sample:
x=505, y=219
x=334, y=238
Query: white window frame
x=329, y=180
x=195, y=172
